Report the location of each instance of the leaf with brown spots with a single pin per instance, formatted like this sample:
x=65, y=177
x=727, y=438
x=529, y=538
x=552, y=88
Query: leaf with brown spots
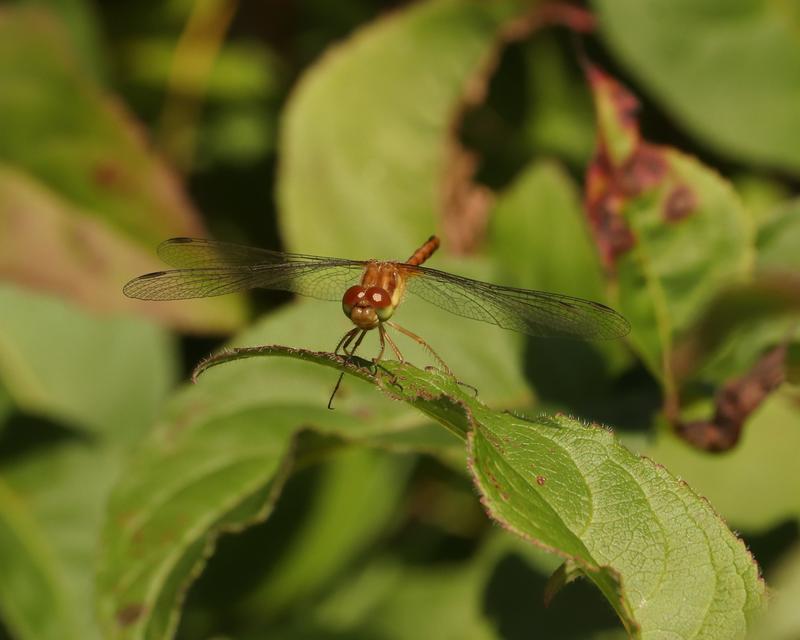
x=673, y=231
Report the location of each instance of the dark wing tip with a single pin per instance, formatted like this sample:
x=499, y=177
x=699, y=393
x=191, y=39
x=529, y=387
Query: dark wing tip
x=133, y=288
x=178, y=240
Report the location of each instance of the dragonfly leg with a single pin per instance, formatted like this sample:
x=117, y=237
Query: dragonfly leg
x=424, y=345
x=385, y=336
x=344, y=343
x=347, y=338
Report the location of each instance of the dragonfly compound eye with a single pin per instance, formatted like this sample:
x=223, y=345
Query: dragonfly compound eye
x=381, y=301
x=351, y=298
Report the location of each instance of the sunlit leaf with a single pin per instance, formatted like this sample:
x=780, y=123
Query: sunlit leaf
x=541, y=240
x=567, y=486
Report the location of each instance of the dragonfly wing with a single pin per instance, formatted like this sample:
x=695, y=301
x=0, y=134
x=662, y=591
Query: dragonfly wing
x=536, y=313
x=193, y=253
x=326, y=280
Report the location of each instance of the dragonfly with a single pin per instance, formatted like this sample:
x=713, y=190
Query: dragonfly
x=371, y=291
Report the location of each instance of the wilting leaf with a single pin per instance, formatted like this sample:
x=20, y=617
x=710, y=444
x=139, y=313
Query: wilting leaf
x=672, y=229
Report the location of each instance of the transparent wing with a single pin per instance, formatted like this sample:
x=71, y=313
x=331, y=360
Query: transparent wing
x=535, y=313
x=216, y=268
x=193, y=253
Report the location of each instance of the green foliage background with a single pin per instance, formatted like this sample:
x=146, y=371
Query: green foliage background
x=136, y=505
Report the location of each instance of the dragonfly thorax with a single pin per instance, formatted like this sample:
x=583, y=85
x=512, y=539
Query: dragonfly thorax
x=367, y=307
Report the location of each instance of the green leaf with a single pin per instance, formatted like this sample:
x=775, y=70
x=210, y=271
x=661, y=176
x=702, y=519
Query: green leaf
x=184, y=489
x=358, y=494
x=368, y=126
x=80, y=20
x=571, y=488
x=326, y=521
x=496, y=592
x=540, y=239
x=33, y=600
x=566, y=486
x=675, y=231
x=95, y=156
x=478, y=353
x=729, y=72
x=779, y=239
x=107, y=375
x=84, y=212
x=51, y=505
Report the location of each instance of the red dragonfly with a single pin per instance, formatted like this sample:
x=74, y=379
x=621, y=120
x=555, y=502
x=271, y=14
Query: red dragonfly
x=211, y=268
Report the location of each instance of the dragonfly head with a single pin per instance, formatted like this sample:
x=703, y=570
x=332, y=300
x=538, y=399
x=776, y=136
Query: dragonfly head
x=367, y=307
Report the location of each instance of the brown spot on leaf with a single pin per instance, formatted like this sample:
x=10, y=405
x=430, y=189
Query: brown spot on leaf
x=130, y=614
x=625, y=103
x=735, y=401
x=680, y=203
x=540, y=480
x=106, y=174
x=624, y=166
x=567, y=15
x=645, y=169
x=603, y=205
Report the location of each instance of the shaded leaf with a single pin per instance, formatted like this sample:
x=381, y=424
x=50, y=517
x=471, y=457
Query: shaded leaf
x=96, y=157
x=748, y=48
x=48, y=244
x=80, y=20
x=322, y=527
x=783, y=618
x=183, y=490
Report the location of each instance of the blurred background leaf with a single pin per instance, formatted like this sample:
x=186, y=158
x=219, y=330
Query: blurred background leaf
x=95, y=198
x=747, y=47
x=357, y=129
